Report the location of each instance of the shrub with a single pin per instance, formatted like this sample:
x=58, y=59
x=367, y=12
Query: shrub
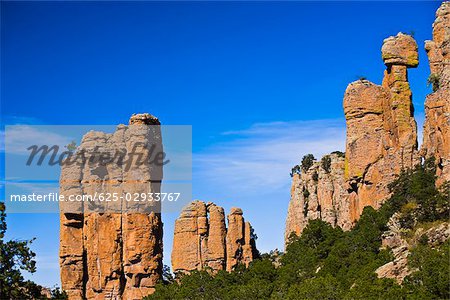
x=433, y=80
x=306, y=193
x=295, y=170
x=326, y=163
x=339, y=153
x=307, y=162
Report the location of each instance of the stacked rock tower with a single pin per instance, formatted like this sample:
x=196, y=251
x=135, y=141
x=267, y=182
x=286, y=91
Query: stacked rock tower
x=112, y=250
x=381, y=136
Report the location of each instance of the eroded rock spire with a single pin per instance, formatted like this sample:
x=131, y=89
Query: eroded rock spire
x=203, y=242
x=111, y=250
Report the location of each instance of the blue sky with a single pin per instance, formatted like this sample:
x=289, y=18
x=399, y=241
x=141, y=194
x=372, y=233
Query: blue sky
x=261, y=83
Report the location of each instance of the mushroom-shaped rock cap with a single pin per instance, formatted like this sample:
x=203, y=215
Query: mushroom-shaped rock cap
x=400, y=50
x=145, y=119
x=235, y=211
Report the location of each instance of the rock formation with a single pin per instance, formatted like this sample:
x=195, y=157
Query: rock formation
x=381, y=130
x=202, y=240
x=319, y=193
x=240, y=243
x=381, y=141
x=112, y=250
x=392, y=239
x=381, y=136
x=436, y=133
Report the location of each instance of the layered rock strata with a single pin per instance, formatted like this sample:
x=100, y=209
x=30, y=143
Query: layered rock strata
x=112, y=249
x=203, y=242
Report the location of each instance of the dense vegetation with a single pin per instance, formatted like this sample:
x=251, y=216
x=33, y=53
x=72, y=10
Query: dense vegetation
x=327, y=263
x=16, y=256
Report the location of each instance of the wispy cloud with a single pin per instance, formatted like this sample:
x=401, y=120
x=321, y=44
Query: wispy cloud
x=17, y=138
x=262, y=155
x=47, y=262
x=41, y=188
x=15, y=120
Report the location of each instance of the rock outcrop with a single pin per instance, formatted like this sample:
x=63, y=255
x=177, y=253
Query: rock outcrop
x=381, y=141
x=381, y=130
x=112, y=249
x=240, y=244
x=202, y=240
x=381, y=136
x=319, y=193
x=392, y=239
x=436, y=133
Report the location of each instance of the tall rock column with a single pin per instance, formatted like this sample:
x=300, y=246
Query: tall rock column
x=436, y=133
x=381, y=130
x=217, y=232
x=381, y=142
x=191, y=238
x=71, y=250
x=112, y=249
x=382, y=134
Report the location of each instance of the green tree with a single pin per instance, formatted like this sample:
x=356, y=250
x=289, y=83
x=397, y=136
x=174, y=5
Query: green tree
x=319, y=288
x=325, y=262
x=432, y=276
x=307, y=162
x=326, y=163
x=14, y=257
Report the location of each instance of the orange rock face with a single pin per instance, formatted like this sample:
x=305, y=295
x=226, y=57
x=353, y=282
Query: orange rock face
x=381, y=136
x=319, y=193
x=381, y=141
x=111, y=250
x=202, y=240
x=436, y=133
x=381, y=130
x=400, y=50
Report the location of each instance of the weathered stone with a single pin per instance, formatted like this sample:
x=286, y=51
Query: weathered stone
x=319, y=193
x=381, y=142
x=400, y=50
x=202, y=241
x=382, y=137
x=381, y=130
x=436, y=133
x=392, y=239
x=112, y=250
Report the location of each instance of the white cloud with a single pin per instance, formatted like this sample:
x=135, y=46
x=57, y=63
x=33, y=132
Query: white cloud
x=262, y=155
x=17, y=138
x=47, y=262
x=41, y=188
